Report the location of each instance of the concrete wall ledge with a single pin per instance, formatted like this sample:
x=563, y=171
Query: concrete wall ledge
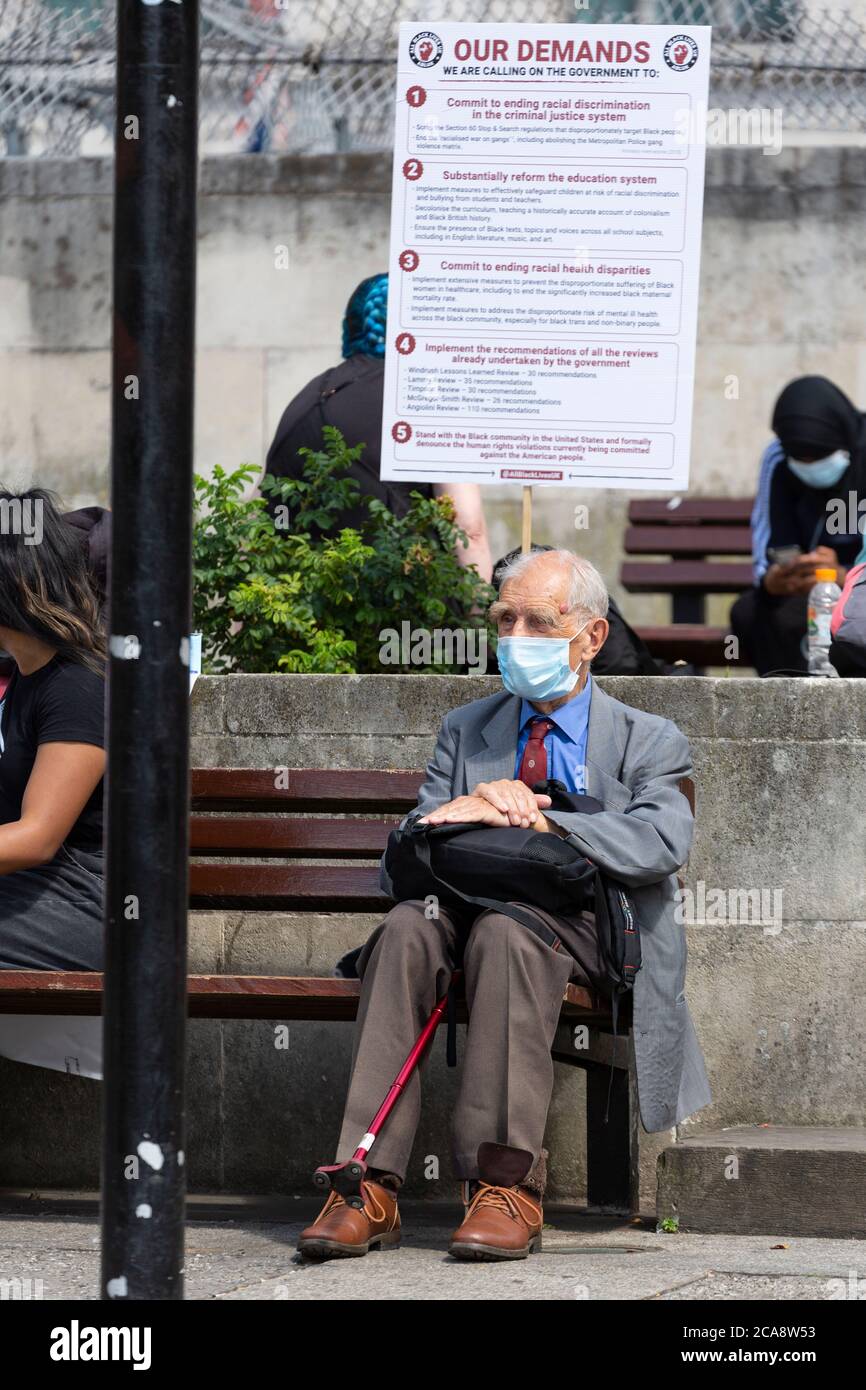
x=384, y=706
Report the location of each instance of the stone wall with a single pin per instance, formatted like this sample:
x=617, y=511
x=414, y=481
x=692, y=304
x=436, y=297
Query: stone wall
x=783, y=287
x=780, y=768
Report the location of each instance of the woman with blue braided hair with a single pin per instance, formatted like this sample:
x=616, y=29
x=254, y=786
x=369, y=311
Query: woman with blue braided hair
x=366, y=318
x=349, y=396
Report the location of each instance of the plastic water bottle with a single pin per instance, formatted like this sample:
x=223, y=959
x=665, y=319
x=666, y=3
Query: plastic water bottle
x=194, y=658
x=823, y=598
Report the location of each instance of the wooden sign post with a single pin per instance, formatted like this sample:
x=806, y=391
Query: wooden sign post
x=526, y=543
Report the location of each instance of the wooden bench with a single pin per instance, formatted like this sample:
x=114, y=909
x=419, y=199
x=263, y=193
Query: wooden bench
x=687, y=531
x=247, y=816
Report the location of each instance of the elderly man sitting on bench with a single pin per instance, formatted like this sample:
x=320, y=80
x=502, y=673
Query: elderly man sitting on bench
x=550, y=721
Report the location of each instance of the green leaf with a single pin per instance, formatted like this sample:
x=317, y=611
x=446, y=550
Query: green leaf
x=268, y=599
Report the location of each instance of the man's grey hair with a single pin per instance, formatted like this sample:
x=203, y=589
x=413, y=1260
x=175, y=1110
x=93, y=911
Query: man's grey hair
x=587, y=593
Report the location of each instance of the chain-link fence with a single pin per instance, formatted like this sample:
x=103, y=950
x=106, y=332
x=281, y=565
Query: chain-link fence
x=313, y=76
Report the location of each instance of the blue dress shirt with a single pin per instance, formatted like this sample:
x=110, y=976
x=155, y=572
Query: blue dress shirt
x=565, y=743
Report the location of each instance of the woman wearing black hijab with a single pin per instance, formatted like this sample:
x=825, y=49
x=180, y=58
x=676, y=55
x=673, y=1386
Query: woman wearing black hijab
x=813, y=478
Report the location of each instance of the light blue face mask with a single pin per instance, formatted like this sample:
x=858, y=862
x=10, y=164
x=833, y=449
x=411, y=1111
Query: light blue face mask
x=823, y=472
x=537, y=668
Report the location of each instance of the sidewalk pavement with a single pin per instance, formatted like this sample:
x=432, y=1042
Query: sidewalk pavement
x=244, y=1248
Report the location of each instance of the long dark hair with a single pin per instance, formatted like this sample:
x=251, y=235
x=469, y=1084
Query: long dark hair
x=45, y=590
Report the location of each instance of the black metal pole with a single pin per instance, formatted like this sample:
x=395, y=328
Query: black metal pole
x=143, y=1173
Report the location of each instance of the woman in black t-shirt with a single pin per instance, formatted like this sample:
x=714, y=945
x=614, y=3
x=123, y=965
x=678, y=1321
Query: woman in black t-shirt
x=52, y=755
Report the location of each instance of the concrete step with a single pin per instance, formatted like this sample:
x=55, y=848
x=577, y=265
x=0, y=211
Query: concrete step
x=766, y=1180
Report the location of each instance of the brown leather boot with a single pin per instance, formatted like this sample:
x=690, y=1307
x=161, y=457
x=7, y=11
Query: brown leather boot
x=340, y=1230
x=504, y=1216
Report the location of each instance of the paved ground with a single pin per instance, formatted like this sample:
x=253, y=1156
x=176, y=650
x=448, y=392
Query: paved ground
x=244, y=1249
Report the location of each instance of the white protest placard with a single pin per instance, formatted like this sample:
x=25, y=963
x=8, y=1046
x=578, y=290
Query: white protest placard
x=545, y=245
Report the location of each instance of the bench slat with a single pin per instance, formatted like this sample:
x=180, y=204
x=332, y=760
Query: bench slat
x=703, y=646
x=50, y=992
x=272, y=996
x=289, y=997
x=263, y=836
x=688, y=540
x=700, y=510
x=309, y=789
x=708, y=576
x=268, y=887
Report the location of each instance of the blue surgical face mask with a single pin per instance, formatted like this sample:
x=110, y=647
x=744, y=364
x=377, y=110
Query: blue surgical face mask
x=823, y=472
x=537, y=668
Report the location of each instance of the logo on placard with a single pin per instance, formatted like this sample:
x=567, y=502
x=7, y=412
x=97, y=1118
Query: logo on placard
x=425, y=49
x=681, y=52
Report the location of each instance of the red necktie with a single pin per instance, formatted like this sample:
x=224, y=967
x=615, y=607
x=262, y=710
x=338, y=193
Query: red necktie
x=533, y=764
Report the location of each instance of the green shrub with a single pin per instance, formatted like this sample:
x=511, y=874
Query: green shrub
x=275, y=597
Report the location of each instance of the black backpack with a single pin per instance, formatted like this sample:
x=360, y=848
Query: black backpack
x=465, y=864
x=493, y=867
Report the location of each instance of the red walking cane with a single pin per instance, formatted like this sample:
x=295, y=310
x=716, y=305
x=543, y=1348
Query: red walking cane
x=346, y=1178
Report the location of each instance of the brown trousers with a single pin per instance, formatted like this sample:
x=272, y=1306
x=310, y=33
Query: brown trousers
x=514, y=987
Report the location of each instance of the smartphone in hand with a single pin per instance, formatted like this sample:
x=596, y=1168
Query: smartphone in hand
x=784, y=555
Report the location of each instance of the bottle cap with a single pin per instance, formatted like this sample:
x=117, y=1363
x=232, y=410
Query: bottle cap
x=824, y=576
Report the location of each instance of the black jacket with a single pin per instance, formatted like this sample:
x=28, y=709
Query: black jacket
x=348, y=396
x=799, y=516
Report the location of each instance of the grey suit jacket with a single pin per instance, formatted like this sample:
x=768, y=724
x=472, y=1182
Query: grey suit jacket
x=634, y=762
